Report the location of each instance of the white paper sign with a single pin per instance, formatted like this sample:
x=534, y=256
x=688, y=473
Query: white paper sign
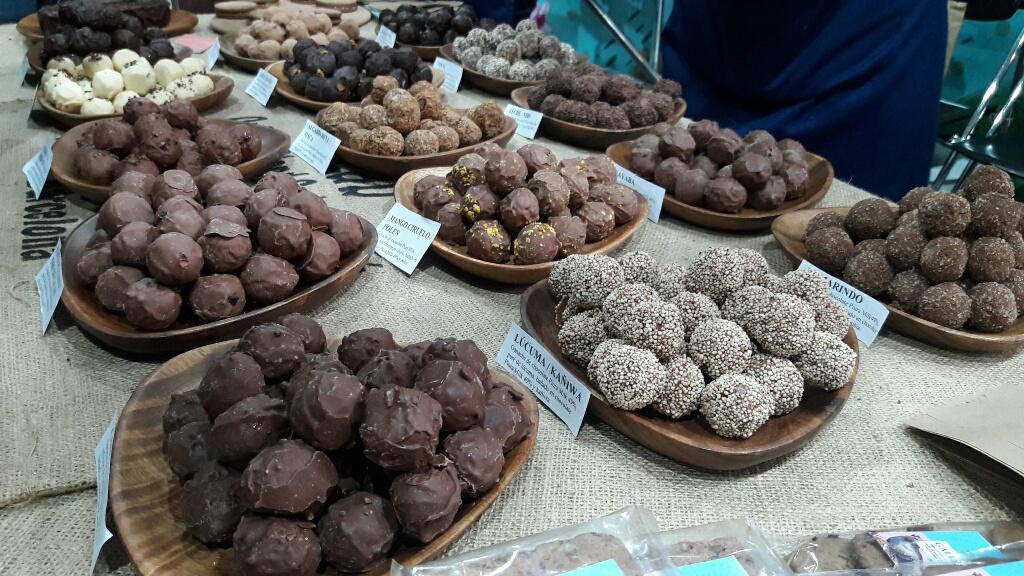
x=386, y=37
x=403, y=237
x=38, y=168
x=557, y=388
x=50, y=285
x=867, y=315
x=212, y=54
x=527, y=121
x=316, y=146
x=102, y=454
x=262, y=86
x=654, y=194
x=23, y=70
x=452, y=74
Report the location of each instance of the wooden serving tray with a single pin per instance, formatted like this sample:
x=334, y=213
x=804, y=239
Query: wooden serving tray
x=285, y=89
x=182, y=21
x=496, y=86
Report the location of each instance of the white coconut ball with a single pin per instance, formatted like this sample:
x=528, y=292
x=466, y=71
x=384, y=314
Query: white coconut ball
x=191, y=65
x=97, y=107
x=123, y=57
x=167, y=71
x=121, y=99
x=96, y=63
x=106, y=84
x=139, y=79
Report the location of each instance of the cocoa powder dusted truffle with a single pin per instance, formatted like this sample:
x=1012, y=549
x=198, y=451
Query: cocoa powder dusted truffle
x=988, y=180
x=217, y=297
x=401, y=428
x=944, y=214
x=830, y=249
x=490, y=118
x=869, y=272
x=945, y=304
x=488, y=240
x=268, y=279
x=267, y=546
x=357, y=531
x=990, y=260
x=870, y=218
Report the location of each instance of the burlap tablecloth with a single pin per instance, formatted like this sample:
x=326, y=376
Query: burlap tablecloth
x=59, y=391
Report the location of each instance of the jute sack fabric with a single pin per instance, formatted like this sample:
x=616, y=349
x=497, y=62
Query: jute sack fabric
x=59, y=391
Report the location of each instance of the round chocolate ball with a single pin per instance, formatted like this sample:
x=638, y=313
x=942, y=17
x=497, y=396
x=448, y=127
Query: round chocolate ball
x=323, y=258
x=906, y=289
x=944, y=259
x=993, y=307
x=93, y=262
x=360, y=346
x=210, y=504
x=552, y=192
x=234, y=377
x=226, y=246
x=313, y=338
x=246, y=428
x=174, y=259
x=518, y=209
x=537, y=157
x=770, y=196
x=870, y=218
x=358, y=531
x=121, y=209
x=478, y=459
x=269, y=546
x=945, y=304
x=505, y=172
x=285, y=233
x=277, y=350
x=457, y=389
x=112, y=286
x=869, y=272
x=426, y=502
x=599, y=219
x=214, y=174
x=724, y=194
x=347, y=230
x=216, y=297
x=487, y=240
x=268, y=483
x=571, y=233
x=130, y=245
x=829, y=249
x=751, y=170
x=990, y=260
x=506, y=415
x=151, y=306
x=944, y=214
x=401, y=428
x=690, y=185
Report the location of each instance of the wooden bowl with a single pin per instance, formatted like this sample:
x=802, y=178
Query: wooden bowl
x=509, y=273
x=496, y=86
x=222, y=87
x=691, y=440
x=182, y=21
x=275, y=144
x=189, y=332
x=819, y=180
x=588, y=136
x=789, y=233
x=285, y=89
x=36, y=64
x=145, y=497
x=394, y=166
x=231, y=56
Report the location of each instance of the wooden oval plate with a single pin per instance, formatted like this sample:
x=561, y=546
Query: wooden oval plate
x=691, y=440
x=394, y=166
x=275, y=144
x=227, y=50
x=509, y=273
x=182, y=21
x=588, y=136
x=36, y=64
x=189, y=332
x=789, y=233
x=145, y=497
x=285, y=89
x=222, y=87
x=496, y=86
x=819, y=180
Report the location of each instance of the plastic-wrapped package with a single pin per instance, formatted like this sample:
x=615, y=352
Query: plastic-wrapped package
x=722, y=548
x=928, y=549
x=621, y=540
x=1015, y=568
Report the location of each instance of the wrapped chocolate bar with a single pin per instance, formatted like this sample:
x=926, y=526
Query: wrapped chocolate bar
x=731, y=547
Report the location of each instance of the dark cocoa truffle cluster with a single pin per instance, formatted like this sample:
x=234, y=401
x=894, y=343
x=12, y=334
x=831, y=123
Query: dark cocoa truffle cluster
x=955, y=259
x=212, y=242
x=432, y=26
x=343, y=71
x=300, y=453
x=589, y=96
x=77, y=28
x=415, y=122
x=524, y=206
x=523, y=53
x=712, y=338
x=712, y=167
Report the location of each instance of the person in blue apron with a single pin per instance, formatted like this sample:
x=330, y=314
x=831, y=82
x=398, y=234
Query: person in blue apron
x=855, y=81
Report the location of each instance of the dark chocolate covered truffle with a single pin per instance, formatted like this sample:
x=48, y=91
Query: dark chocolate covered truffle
x=457, y=389
x=186, y=449
x=323, y=258
x=216, y=297
x=174, y=259
x=268, y=279
x=226, y=246
x=285, y=233
x=112, y=286
x=537, y=157
x=571, y=232
x=277, y=350
x=487, y=240
x=215, y=173
x=622, y=200
x=347, y=231
x=313, y=338
x=479, y=203
x=599, y=219
x=358, y=531
x=246, y=428
x=210, y=504
x=551, y=190
x=122, y=209
x=235, y=376
x=183, y=408
x=535, y=244
x=401, y=428
x=507, y=416
x=724, y=194
x=426, y=502
x=505, y=172
x=151, y=306
x=287, y=478
x=389, y=368
x=477, y=456
x=326, y=408
x=358, y=347
x=519, y=208
x=228, y=193
x=770, y=196
x=269, y=546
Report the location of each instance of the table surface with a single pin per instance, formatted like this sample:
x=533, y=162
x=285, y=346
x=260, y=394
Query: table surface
x=59, y=391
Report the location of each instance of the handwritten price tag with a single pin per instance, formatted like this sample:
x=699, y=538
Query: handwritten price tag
x=527, y=121
x=452, y=74
x=262, y=86
x=50, y=285
x=403, y=237
x=386, y=37
x=37, y=169
x=654, y=194
x=315, y=146
x=867, y=315
x=102, y=456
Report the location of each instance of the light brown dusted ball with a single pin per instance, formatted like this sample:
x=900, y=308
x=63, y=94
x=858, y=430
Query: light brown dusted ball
x=385, y=141
x=829, y=249
x=381, y=86
x=490, y=118
x=993, y=307
x=988, y=180
x=906, y=289
x=431, y=106
x=944, y=259
x=823, y=220
x=469, y=133
x=994, y=215
x=447, y=137
x=373, y=115
x=990, y=260
x=869, y=272
x=912, y=199
x=904, y=245
x=870, y=218
x=945, y=304
x=403, y=112
x=421, y=142
x=944, y=214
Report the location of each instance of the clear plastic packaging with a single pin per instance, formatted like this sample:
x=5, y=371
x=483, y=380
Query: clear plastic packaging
x=623, y=537
x=729, y=544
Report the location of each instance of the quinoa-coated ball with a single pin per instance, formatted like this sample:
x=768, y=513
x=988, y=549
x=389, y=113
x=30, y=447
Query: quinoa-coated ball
x=906, y=289
x=736, y=406
x=990, y=260
x=694, y=308
x=588, y=278
x=684, y=384
x=944, y=214
x=668, y=281
x=870, y=218
x=780, y=378
x=1016, y=285
x=993, y=307
x=994, y=215
x=471, y=57
x=944, y=259
x=655, y=326
x=639, y=267
x=831, y=316
x=623, y=303
x=829, y=249
x=509, y=50
x=988, y=180
x=911, y=200
x=630, y=378
x=385, y=141
x=580, y=335
x=716, y=272
x=490, y=118
x=827, y=363
x=904, y=245
x=807, y=284
x=823, y=220
x=720, y=347
x=945, y=304
x=869, y=272
x=522, y=71
x=420, y=142
x=494, y=66
x=753, y=265
x=745, y=304
x=784, y=328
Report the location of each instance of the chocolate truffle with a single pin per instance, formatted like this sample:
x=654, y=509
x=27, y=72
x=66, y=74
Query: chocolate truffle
x=829, y=248
x=993, y=307
x=181, y=114
x=465, y=351
x=437, y=197
x=477, y=456
x=215, y=173
x=358, y=531
x=677, y=143
x=944, y=259
x=217, y=146
x=870, y=218
x=912, y=200
x=724, y=194
x=552, y=192
x=622, y=200
x=751, y=170
x=170, y=184
x=426, y=502
x=823, y=220
x=280, y=181
x=795, y=178
x=457, y=389
x=174, y=259
x=249, y=140
x=994, y=215
x=506, y=415
x=643, y=161
x=226, y=246
x=690, y=185
x=770, y=196
x=186, y=449
x=426, y=183
x=210, y=504
x=869, y=272
x=945, y=304
x=96, y=166
x=277, y=350
x=453, y=229
x=183, y=408
x=121, y=209
x=228, y=193
x=991, y=260
x=389, y=368
x=326, y=409
x=702, y=131
x=269, y=546
x=269, y=484
x=988, y=180
x=112, y=286
x=666, y=172
x=137, y=183
x=401, y=428
x=479, y=203
x=150, y=306
x=537, y=157
x=505, y=172
x=285, y=233
x=234, y=377
x=906, y=289
x=138, y=107
x=183, y=219
x=599, y=219
x=518, y=209
x=246, y=428
x=571, y=233
x=944, y=214
x=577, y=177
x=360, y=346
x=217, y=297
x=323, y=258
x=487, y=240
x=113, y=136
x=347, y=231
x=313, y=338
x=723, y=147
x=260, y=204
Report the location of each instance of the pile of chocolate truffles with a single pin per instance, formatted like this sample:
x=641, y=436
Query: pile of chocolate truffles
x=300, y=454
x=428, y=26
x=152, y=139
x=213, y=242
x=414, y=122
x=524, y=206
x=712, y=167
x=275, y=31
x=724, y=337
x=955, y=259
x=77, y=28
x=589, y=96
x=344, y=72
x=523, y=53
